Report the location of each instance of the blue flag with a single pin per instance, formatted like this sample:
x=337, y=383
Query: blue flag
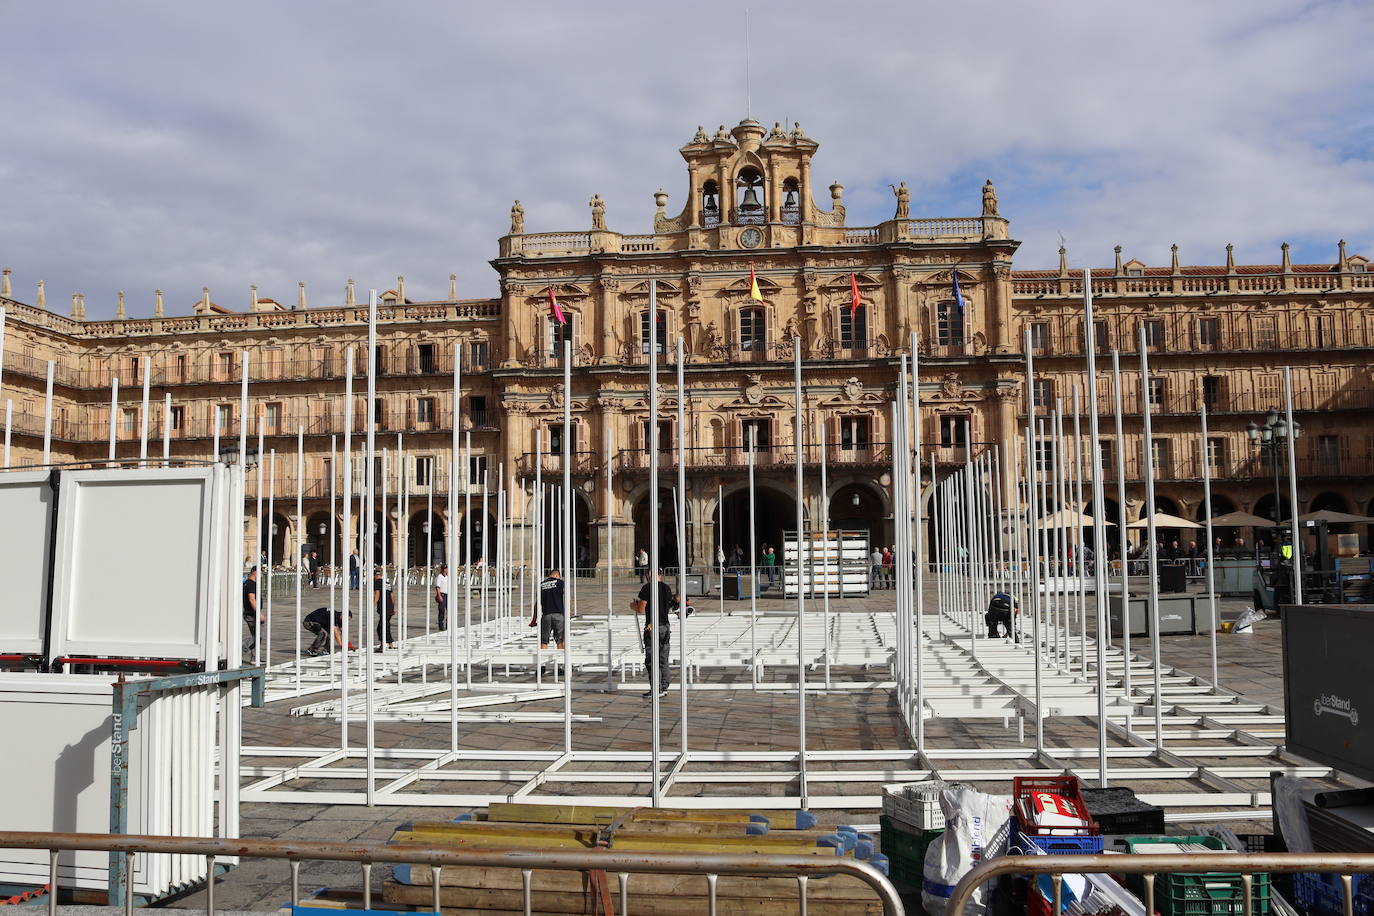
x=958, y=296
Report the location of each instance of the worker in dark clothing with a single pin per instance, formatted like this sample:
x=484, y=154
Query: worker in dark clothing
x=252, y=614
x=385, y=609
x=319, y=622
x=657, y=629
x=550, y=615
x=1000, y=611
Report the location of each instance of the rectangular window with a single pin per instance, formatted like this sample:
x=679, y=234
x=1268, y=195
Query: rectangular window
x=1266, y=332
x=1044, y=455
x=661, y=329
x=1211, y=391
x=429, y=363
x=751, y=329
x=1267, y=391
x=949, y=331
x=424, y=410
x=477, y=354
x=477, y=410
x=954, y=431
x=424, y=471
x=666, y=442
x=757, y=430
x=1039, y=336
x=854, y=433
x=178, y=418
x=226, y=365
x=224, y=417
x=1329, y=454
x=1161, y=453
x=1106, y=448
x=1154, y=332
x=274, y=417
x=555, y=437
x=1157, y=390
x=129, y=420
x=1324, y=335
x=379, y=352
x=1207, y=333
x=854, y=328
x=477, y=469
x=1044, y=393
x=379, y=413
x=181, y=367
x=1102, y=337
x=560, y=332
x=134, y=366
x=1216, y=454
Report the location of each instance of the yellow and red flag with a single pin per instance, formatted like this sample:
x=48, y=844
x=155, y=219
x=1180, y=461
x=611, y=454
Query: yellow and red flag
x=754, y=284
x=854, y=300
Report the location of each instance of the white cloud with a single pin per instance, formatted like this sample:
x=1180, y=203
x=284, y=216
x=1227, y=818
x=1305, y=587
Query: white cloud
x=160, y=144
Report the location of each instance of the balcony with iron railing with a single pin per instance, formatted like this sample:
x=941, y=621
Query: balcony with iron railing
x=1194, y=340
x=1230, y=399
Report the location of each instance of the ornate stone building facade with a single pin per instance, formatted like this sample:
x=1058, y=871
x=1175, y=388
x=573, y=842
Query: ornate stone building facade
x=1217, y=334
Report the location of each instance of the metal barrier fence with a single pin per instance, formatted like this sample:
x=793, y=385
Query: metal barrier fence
x=527, y=861
x=1246, y=864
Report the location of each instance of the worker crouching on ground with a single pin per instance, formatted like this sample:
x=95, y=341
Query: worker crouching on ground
x=550, y=614
x=319, y=622
x=668, y=602
x=1000, y=612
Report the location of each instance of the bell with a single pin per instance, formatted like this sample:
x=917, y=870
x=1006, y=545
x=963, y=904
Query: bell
x=711, y=201
x=751, y=200
x=790, y=201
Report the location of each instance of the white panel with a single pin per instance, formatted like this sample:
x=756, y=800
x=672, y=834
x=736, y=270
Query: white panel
x=25, y=535
x=133, y=571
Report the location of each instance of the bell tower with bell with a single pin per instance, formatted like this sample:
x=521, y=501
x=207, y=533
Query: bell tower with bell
x=750, y=188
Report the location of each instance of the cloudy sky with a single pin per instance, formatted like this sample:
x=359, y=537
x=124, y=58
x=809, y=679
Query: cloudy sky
x=178, y=145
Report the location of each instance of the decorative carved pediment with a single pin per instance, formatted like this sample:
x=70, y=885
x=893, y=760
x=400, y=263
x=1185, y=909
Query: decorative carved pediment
x=753, y=388
x=947, y=277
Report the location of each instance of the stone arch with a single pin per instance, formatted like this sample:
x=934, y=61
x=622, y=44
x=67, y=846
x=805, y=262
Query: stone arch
x=1329, y=500
x=419, y=540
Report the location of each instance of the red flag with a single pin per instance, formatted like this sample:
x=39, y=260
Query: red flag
x=754, y=284
x=853, y=295
x=555, y=309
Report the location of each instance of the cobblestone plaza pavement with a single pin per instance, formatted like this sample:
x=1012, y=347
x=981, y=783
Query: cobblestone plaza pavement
x=719, y=719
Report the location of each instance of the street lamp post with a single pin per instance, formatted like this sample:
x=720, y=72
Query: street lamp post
x=1272, y=437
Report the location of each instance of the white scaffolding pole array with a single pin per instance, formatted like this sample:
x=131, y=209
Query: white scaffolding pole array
x=346, y=550
x=799, y=434
x=1120, y=449
x=652, y=632
x=1153, y=583
x=1207, y=524
x=683, y=659
x=569, y=551
x=368, y=520
x=918, y=545
x=1292, y=484
x=1102, y=630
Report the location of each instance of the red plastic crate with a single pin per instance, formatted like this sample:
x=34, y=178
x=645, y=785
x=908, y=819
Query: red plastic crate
x=1067, y=786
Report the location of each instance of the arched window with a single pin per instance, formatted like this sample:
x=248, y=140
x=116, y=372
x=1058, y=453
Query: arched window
x=710, y=204
x=749, y=197
x=854, y=328
x=661, y=335
x=753, y=332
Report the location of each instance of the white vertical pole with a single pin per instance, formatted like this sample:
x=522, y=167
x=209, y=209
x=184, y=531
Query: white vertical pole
x=825, y=557
x=167, y=431
x=369, y=522
x=2, y=348
x=429, y=547
x=114, y=413
x=1153, y=583
x=652, y=624
x=1078, y=532
x=143, y=414
x=300, y=530
x=799, y=433
x=917, y=544
x=682, y=642
x=9, y=422
x=47, y=418
x=569, y=549
x=1099, y=526
x=609, y=561
x=1292, y=484
x=1207, y=523
x=1034, y=517
x=1121, y=530
x=451, y=532
x=346, y=549
x=334, y=604
x=271, y=544
x=260, y=555
x=753, y=564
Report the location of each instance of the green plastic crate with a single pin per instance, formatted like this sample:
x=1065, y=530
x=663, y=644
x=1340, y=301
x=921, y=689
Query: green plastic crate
x=1212, y=893
x=905, y=849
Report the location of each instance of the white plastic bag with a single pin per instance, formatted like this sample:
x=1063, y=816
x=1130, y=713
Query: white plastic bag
x=1245, y=623
x=977, y=827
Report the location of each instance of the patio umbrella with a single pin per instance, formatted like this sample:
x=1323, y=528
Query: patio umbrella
x=1240, y=520
x=1067, y=518
x=1332, y=517
x=1165, y=520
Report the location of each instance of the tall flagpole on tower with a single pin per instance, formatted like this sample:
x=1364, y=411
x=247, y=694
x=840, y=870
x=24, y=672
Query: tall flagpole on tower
x=748, y=106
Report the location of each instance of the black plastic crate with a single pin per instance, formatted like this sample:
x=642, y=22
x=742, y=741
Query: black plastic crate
x=1117, y=810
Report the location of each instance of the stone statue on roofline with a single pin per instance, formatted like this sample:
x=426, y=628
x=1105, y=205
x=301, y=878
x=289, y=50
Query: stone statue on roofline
x=903, y=201
x=517, y=219
x=989, y=199
x=598, y=212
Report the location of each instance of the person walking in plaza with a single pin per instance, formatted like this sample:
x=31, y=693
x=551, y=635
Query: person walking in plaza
x=642, y=565
x=889, y=567
x=314, y=566
x=353, y=570
x=770, y=564
x=550, y=614
x=441, y=595
x=320, y=622
x=657, y=631
x=720, y=558
x=384, y=606
x=252, y=615
x=875, y=568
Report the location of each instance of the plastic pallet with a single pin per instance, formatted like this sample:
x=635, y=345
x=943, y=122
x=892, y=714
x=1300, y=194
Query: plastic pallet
x=1202, y=894
x=905, y=849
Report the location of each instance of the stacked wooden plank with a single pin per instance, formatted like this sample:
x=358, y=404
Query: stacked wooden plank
x=481, y=891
